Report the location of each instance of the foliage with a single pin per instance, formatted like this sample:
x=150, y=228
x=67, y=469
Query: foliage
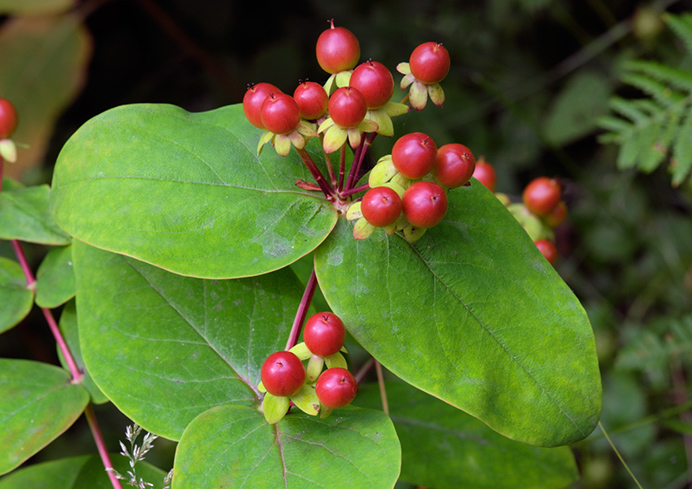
x=168, y=334
x=657, y=128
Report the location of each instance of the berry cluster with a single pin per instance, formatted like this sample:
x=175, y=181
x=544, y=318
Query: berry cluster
x=408, y=188
x=541, y=210
x=313, y=390
x=8, y=124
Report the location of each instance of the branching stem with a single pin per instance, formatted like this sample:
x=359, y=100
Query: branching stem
x=358, y=159
x=327, y=189
x=352, y=191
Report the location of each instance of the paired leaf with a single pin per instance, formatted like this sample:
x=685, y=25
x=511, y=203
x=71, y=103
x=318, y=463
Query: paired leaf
x=37, y=403
x=55, y=282
x=84, y=472
x=187, y=192
x=16, y=299
x=473, y=314
x=352, y=448
x=165, y=348
x=24, y=215
x=445, y=448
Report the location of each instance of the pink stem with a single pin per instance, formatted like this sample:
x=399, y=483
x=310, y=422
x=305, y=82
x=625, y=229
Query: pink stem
x=360, y=375
x=101, y=445
x=327, y=189
x=358, y=159
x=302, y=311
x=355, y=190
x=59, y=339
x=342, y=166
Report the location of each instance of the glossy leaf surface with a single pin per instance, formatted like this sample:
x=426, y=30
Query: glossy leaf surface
x=354, y=447
x=37, y=403
x=187, y=192
x=24, y=215
x=445, y=448
x=16, y=299
x=165, y=348
x=473, y=314
x=55, y=282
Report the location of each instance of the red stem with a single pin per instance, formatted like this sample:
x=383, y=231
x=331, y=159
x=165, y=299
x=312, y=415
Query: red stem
x=101, y=445
x=67, y=354
x=302, y=311
x=342, y=166
x=352, y=191
x=358, y=159
x=327, y=189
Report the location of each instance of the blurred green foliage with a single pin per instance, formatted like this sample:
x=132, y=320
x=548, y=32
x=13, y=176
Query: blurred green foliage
x=529, y=80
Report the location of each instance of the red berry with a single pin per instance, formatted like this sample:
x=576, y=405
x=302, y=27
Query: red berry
x=542, y=195
x=375, y=82
x=557, y=215
x=324, y=334
x=429, y=62
x=414, y=154
x=252, y=102
x=485, y=173
x=336, y=388
x=8, y=118
x=312, y=100
x=381, y=206
x=283, y=374
x=347, y=107
x=454, y=165
x=337, y=49
x=548, y=249
x=425, y=204
x=280, y=113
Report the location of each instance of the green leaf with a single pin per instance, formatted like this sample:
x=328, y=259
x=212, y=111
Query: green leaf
x=37, y=403
x=85, y=472
x=24, y=215
x=29, y=7
x=16, y=299
x=575, y=110
x=55, y=282
x=165, y=348
x=445, y=448
x=187, y=192
x=59, y=50
x=70, y=331
x=353, y=448
x=473, y=314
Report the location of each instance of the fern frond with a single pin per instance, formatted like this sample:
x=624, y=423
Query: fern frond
x=676, y=77
x=656, y=128
x=681, y=163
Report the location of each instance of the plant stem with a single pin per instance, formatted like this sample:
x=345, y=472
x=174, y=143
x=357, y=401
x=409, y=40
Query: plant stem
x=59, y=339
x=342, y=166
x=101, y=445
x=327, y=189
x=622, y=460
x=358, y=160
x=330, y=169
x=383, y=390
x=302, y=311
x=352, y=191
x=360, y=375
